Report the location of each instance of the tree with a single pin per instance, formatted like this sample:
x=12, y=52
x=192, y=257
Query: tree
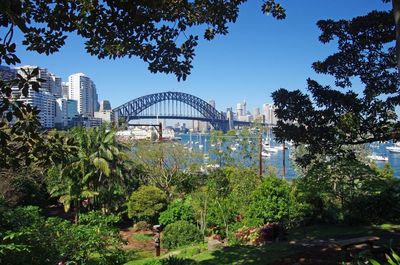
x=146, y=204
x=336, y=118
x=163, y=163
x=154, y=31
x=95, y=171
x=271, y=201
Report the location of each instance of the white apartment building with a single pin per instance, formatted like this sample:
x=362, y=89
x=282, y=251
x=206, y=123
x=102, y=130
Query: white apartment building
x=43, y=100
x=83, y=90
x=269, y=112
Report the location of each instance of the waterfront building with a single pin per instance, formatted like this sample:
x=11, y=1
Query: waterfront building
x=104, y=115
x=269, y=112
x=7, y=73
x=65, y=90
x=105, y=105
x=42, y=100
x=55, y=85
x=83, y=90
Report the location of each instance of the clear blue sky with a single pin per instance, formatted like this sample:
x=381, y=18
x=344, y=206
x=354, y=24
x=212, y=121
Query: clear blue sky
x=258, y=56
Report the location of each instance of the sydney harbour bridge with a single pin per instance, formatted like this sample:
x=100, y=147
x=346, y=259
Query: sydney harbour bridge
x=175, y=105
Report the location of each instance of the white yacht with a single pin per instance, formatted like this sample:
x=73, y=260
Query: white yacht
x=394, y=149
x=378, y=157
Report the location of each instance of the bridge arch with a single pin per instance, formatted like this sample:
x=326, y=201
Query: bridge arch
x=134, y=108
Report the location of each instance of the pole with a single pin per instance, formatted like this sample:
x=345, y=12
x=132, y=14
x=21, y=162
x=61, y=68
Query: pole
x=284, y=159
x=160, y=136
x=260, y=171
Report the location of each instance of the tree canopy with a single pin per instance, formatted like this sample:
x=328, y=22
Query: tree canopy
x=326, y=118
x=153, y=30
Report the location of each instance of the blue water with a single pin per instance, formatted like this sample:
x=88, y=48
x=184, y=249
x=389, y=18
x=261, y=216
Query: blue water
x=276, y=159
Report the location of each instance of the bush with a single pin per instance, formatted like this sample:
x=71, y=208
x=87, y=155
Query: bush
x=178, y=210
x=179, y=234
x=28, y=238
x=171, y=260
x=257, y=236
x=272, y=201
x=141, y=226
x=146, y=203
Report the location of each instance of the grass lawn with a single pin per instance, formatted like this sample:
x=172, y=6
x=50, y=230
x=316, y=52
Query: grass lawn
x=276, y=251
x=142, y=237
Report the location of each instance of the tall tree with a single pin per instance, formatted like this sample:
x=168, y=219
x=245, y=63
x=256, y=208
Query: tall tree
x=337, y=117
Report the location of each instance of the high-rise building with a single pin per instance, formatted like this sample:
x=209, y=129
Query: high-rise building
x=55, y=85
x=269, y=112
x=65, y=89
x=105, y=105
x=61, y=115
x=43, y=99
x=42, y=74
x=212, y=103
x=83, y=90
x=7, y=73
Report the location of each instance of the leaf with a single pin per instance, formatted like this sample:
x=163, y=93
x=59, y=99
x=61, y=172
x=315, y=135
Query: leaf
x=101, y=164
x=109, y=137
x=374, y=262
x=66, y=201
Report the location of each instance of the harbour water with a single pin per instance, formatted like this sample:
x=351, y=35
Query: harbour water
x=276, y=159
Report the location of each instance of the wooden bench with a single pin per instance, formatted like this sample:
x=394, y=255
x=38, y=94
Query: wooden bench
x=346, y=243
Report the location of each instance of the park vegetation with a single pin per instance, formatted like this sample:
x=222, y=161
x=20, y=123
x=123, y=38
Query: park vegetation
x=103, y=184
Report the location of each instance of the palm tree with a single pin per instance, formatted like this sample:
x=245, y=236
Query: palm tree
x=93, y=172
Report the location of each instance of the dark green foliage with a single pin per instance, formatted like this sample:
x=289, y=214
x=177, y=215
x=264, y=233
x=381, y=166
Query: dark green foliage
x=171, y=260
x=141, y=226
x=146, y=204
x=177, y=210
x=271, y=202
x=28, y=238
x=349, y=190
x=149, y=30
x=329, y=118
x=181, y=233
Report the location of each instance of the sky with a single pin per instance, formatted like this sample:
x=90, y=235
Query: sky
x=258, y=56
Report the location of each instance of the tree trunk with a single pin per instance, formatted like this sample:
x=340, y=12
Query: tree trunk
x=396, y=14
x=77, y=211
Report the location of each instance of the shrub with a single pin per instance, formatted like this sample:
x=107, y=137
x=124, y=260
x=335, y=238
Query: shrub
x=171, y=260
x=270, y=202
x=260, y=235
x=180, y=233
x=146, y=203
x=141, y=226
x=28, y=238
x=178, y=210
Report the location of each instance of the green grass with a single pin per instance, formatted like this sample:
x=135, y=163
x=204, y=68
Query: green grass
x=272, y=252
x=142, y=237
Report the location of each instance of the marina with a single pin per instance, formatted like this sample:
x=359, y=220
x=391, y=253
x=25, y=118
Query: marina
x=272, y=153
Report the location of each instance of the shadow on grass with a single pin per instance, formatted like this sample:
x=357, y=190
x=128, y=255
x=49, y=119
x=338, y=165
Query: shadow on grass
x=250, y=254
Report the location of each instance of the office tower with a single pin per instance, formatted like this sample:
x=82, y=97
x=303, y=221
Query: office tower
x=65, y=89
x=256, y=112
x=105, y=105
x=7, y=73
x=269, y=112
x=42, y=74
x=55, y=85
x=212, y=103
x=83, y=90
x=61, y=114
